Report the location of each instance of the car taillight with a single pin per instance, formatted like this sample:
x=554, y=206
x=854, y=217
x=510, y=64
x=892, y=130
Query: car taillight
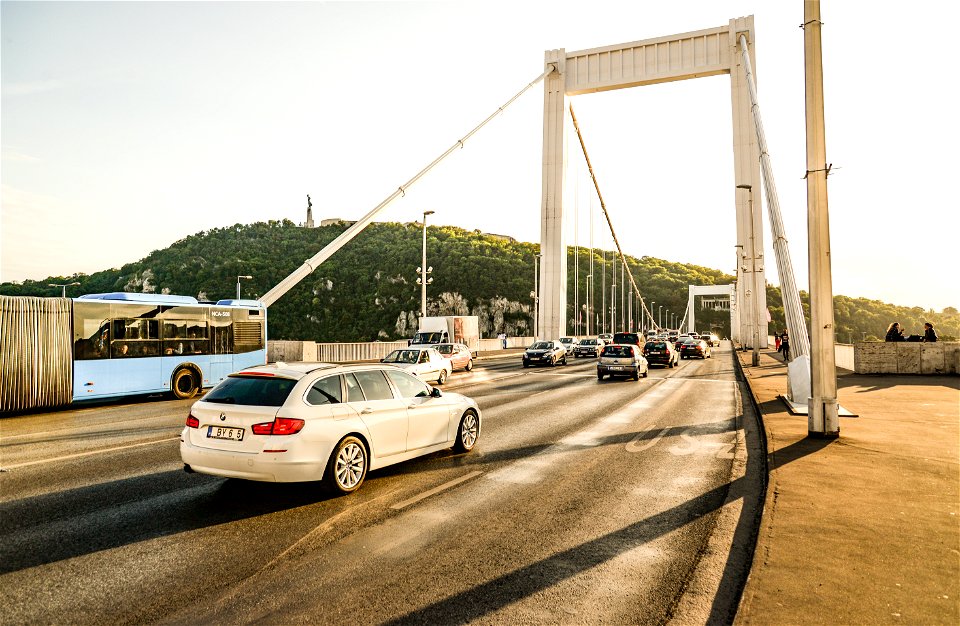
x=192, y=422
x=279, y=426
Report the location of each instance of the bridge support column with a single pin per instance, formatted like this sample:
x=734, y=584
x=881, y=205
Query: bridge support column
x=746, y=164
x=552, y=309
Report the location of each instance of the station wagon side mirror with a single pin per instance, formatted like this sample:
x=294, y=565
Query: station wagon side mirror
x=435, y=393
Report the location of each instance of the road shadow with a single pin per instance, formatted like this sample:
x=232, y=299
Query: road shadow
x=57, y=526
x=486, y=598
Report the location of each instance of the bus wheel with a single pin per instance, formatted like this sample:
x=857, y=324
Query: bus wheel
x=184, y=384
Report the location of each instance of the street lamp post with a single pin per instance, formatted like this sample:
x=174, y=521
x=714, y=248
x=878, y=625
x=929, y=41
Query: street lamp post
x=238, y=284
x=589, y=303
x=424, y=271
x=613, y=307
x=535, y=294
x=653, y=320
x=63, y=286
x=659, y=316
x=755, y=359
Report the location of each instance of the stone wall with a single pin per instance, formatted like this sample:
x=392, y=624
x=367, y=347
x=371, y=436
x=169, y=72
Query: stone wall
x=942, y=357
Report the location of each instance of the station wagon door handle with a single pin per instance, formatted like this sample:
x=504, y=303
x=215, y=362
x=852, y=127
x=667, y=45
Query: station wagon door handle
x=366, y=410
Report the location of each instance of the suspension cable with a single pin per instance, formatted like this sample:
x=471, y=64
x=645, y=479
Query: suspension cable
x=311, y=264
x=603, y=205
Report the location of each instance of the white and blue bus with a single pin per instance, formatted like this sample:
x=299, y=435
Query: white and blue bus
x=107, y=345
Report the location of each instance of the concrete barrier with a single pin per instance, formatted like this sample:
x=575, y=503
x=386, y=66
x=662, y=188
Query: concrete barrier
x=942, y=357
x=291, y=351
x=843, y=355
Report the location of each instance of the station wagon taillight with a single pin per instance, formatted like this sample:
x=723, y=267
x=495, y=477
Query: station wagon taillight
x=279, y=426
x=192, y=422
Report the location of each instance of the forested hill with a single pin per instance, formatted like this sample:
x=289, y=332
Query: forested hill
x=368, y=291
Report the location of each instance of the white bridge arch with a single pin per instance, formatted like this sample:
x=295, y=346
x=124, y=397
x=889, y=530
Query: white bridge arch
x=709, y=52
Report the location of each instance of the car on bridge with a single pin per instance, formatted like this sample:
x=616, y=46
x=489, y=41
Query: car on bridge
x=695, y=348
x=661, y=352
x=545, y=353
x=293, y=422
x=424, y=363
x=588, y=347
x=711, y=339
x=635, y=339
x=605, y=337
x=622, y=360
x=460, y=356
x=569, y=343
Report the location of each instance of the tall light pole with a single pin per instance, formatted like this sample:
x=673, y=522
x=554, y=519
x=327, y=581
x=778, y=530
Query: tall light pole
x=613, y=307
x=822, y=407
x=755, y=317
x=238, y=284
x=603, y=290
x=424, y=271
x=653, y=320
x=589, y=303
x=63, y=286
x=659, y=316
x=535, y=294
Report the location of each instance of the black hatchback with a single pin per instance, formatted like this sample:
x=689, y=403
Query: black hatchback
x=661, y=353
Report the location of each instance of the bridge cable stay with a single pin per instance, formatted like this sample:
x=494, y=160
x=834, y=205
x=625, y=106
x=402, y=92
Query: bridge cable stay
x=793, y=309
x=576, y=253
x=346, y=236
x=623, y=258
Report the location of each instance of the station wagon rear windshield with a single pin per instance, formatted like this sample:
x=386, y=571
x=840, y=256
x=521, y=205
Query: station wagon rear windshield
x=252, y=391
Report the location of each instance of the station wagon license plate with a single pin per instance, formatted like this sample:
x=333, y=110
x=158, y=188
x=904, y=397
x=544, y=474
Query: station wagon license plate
x=221, y=432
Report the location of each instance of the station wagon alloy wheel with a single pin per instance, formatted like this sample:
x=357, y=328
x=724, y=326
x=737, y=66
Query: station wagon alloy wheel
x=468, y=432
x=349, y=465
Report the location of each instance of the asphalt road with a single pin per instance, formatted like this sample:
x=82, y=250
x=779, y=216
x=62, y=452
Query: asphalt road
x=583, y=502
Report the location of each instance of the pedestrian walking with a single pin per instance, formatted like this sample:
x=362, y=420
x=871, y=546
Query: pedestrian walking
x=785, y=345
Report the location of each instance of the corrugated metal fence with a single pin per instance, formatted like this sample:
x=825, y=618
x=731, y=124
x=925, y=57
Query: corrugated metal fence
x=36, y=365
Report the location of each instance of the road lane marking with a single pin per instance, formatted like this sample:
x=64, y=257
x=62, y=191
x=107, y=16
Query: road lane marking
x=435, y=490
x=636, y=446
x=91, y=453
x=530, y=470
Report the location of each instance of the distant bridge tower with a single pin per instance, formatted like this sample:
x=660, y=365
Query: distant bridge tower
x=309, y=222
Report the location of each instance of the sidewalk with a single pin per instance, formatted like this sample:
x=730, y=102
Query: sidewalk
x=864, y=529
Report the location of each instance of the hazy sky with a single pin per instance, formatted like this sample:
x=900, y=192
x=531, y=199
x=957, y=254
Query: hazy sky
x=127, y=126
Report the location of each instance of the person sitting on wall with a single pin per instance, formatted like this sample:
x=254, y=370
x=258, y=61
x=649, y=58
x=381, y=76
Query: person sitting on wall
x=929, y=334
x=895, y=333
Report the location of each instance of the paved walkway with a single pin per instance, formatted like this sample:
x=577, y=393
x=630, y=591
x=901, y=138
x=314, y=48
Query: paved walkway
x=864, y=529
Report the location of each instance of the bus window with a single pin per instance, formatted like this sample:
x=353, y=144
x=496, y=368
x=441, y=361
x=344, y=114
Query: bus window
x=135, y=337
x=91, y=331
x=185, y=337
x=221, y=336
x=174, y=334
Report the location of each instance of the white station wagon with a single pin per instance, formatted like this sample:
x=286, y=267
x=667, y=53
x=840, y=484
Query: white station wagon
x=317, y=421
